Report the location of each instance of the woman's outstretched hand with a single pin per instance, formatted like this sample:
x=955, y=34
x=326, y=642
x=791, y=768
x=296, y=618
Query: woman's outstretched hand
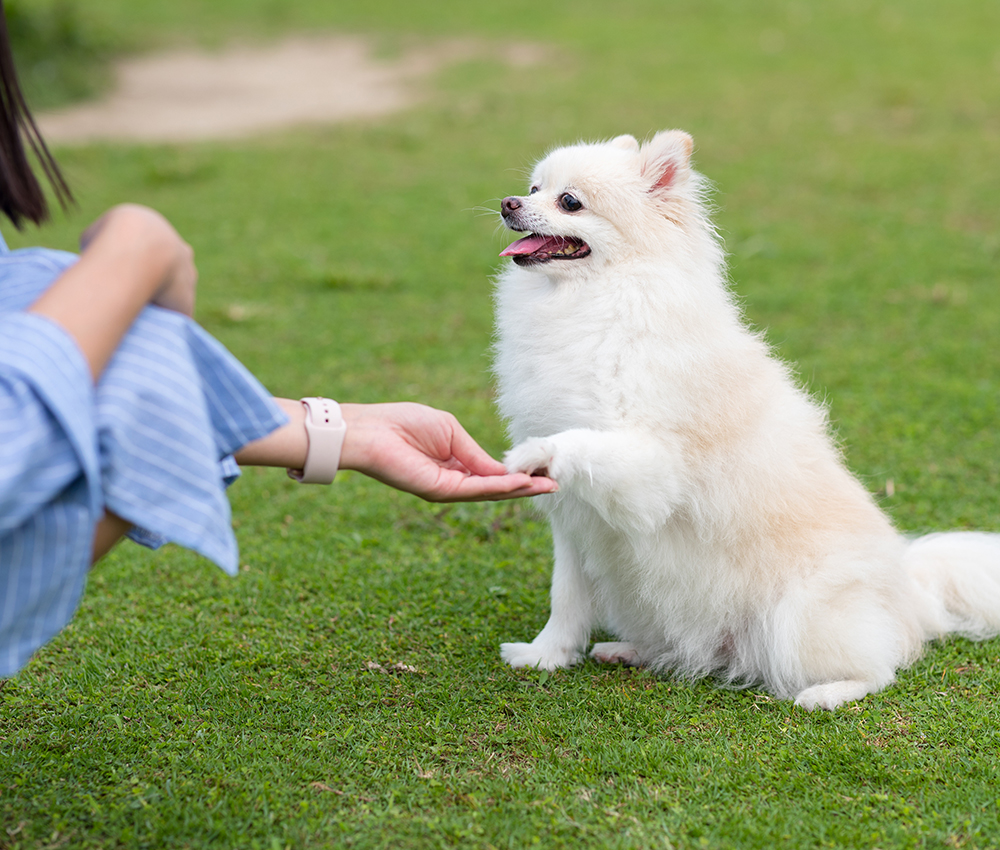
x=425, y=451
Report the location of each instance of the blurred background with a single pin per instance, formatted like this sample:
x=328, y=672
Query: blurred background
x=853, y=145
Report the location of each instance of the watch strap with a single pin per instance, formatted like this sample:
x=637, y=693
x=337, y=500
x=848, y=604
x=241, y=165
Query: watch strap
x=325, y=429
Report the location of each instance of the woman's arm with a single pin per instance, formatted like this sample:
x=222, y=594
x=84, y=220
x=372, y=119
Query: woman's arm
x=411, y=447
x=131, y=257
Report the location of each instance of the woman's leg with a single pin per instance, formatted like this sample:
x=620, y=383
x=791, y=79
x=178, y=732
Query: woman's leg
x=109, y=531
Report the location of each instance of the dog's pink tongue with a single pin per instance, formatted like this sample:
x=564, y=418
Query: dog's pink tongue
x=527, y=245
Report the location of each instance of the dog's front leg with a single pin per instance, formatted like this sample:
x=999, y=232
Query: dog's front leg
x=633, y=479
x=562, y=642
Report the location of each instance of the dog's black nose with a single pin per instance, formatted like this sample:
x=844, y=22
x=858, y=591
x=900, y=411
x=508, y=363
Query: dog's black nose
x=509, y=205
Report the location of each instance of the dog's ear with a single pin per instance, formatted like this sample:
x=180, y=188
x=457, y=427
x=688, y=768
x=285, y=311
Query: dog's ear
x=626, y=143
x=665, y=158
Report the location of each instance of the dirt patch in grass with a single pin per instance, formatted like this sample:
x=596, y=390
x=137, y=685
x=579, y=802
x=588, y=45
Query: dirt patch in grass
x=241, y=91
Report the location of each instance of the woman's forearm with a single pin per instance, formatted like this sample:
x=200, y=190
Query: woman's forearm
x=287, y=446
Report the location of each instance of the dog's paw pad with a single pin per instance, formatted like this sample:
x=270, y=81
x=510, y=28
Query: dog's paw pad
x=616, y=652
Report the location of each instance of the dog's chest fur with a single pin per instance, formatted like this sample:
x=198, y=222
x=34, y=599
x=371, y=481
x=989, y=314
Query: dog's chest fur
x=611, y=355
x=575, y=355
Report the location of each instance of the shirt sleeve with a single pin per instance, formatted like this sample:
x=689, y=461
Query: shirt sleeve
x=172, y=406
x=50, y=486
x=48, y=434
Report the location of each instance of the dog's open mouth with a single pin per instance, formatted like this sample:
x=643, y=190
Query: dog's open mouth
x=538, y=248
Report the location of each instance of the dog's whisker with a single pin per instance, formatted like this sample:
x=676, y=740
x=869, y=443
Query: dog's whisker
x=484, y=210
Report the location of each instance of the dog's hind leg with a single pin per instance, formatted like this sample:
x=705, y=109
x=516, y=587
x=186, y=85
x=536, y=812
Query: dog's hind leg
x=616, y=652
x=562, y=641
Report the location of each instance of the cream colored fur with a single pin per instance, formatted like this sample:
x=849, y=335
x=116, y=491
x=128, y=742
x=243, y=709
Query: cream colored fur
x=705, y=517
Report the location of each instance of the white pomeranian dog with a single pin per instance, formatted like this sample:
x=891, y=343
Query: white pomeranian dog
x=705, y=516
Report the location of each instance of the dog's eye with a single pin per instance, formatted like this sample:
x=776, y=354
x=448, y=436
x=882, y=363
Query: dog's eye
x=569, y=202
x=533, y=190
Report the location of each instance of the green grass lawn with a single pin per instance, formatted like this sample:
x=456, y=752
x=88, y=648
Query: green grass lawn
x=346, y=689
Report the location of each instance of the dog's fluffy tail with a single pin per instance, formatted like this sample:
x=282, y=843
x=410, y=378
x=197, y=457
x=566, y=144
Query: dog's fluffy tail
x=957, y=578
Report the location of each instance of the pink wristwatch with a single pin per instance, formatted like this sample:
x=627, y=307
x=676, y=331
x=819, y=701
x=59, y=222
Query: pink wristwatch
x=325, y=429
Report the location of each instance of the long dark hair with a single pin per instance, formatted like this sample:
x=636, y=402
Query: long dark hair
x=21, y=197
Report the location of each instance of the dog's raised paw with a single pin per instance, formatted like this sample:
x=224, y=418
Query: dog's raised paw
x=535, y=456
x=532, y=655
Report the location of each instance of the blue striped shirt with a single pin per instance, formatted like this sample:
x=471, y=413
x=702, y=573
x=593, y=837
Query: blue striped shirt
x=153, y=443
